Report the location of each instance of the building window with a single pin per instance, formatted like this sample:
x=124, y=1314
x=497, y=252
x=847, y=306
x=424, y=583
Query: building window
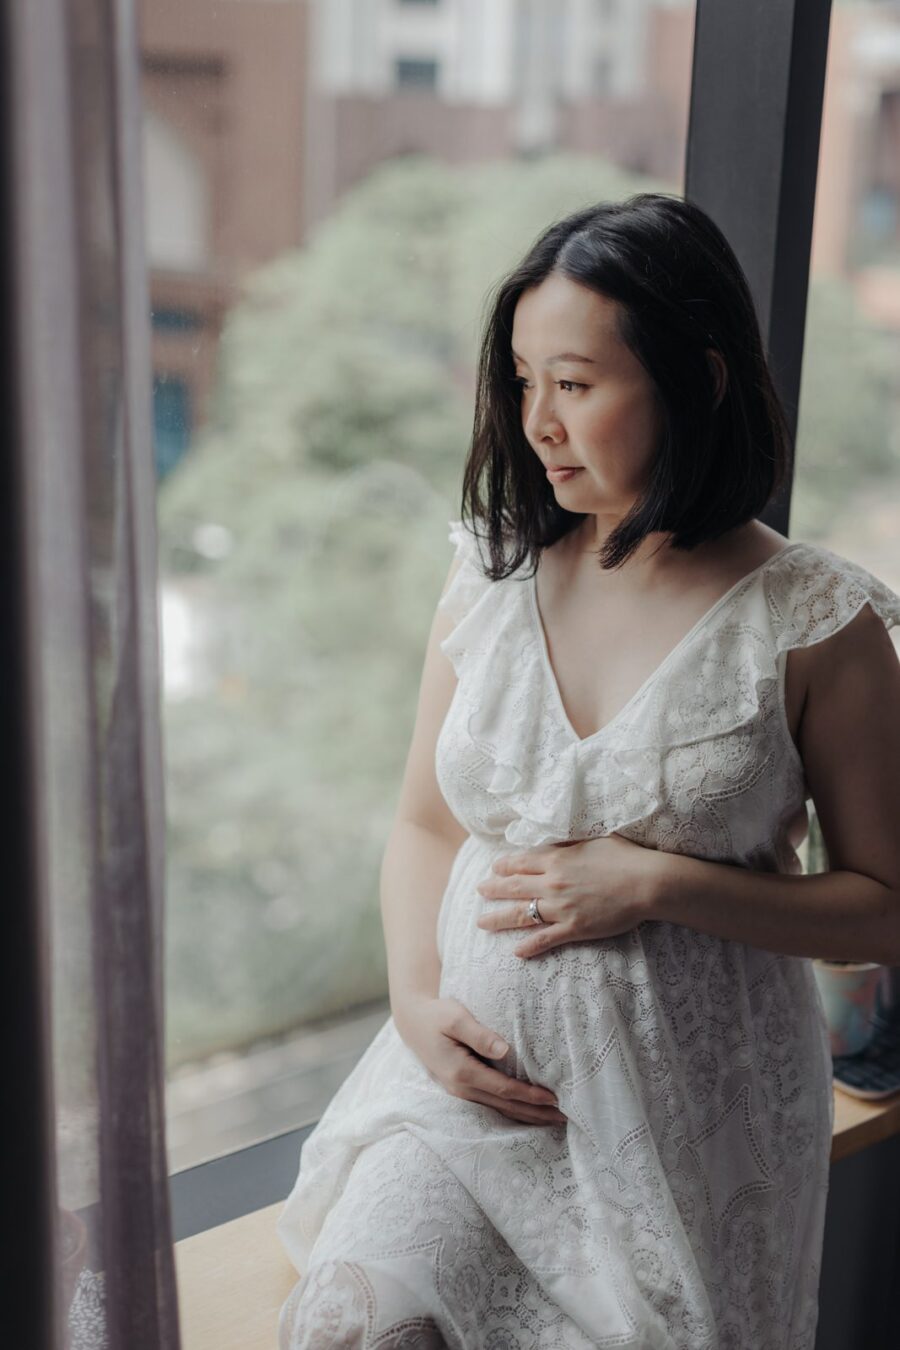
x=177, y=200
x=171, y=421
x=175, y=321
x=878, y=215
x=410, y=73
x=603, y=71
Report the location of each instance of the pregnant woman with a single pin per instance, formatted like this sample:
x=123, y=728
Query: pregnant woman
x=600, y=1113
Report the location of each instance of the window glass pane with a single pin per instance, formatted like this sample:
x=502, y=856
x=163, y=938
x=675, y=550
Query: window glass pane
x=846, y=492
x=332, y=237
x=847, y=473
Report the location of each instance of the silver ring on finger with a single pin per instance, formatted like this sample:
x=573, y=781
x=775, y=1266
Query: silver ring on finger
x=533, y=912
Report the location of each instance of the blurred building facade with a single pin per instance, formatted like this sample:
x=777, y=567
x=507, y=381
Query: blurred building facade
x=224, y=107
x=260, y=114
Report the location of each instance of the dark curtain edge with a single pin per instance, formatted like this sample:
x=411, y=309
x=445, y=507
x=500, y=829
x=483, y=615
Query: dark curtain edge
x=45, y=322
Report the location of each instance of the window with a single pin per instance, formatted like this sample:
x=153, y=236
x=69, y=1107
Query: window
x=876, y=226
x=327, y=394
x=847, y=474
x=603, y=69
x=177, y=198
x=175, y=321
x=171, y=421
x=879, y=218
x=276, y=819
x=412, y=73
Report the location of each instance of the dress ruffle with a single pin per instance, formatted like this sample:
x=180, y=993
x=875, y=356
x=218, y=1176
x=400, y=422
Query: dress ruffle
x=820, y=592
x=468, y=586
x=548, y=782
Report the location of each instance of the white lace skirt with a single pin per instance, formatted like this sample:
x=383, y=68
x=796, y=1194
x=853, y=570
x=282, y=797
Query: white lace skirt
x=680, y=1208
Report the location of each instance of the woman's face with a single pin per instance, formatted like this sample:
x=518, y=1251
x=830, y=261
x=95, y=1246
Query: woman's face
x=587, y=402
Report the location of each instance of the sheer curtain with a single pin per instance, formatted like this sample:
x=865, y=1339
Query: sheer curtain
x=89, y=1219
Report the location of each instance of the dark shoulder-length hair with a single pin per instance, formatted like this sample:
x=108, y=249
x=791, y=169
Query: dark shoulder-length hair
x=680, y=290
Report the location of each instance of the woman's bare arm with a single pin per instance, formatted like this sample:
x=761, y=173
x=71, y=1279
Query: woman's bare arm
x=421, y=847
x=425, y=836
x=849, y=742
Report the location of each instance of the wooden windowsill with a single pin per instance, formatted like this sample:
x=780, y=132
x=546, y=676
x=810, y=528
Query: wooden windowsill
x=858, y=1123
x=232, y=1280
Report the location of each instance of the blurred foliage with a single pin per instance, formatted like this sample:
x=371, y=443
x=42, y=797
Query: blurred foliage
x=845, y=441
x=307, y=530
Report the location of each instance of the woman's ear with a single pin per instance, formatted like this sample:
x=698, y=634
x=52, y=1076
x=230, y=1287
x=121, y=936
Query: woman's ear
x=719, y=372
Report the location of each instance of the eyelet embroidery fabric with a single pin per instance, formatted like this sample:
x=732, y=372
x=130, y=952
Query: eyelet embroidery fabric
x=682, y=1206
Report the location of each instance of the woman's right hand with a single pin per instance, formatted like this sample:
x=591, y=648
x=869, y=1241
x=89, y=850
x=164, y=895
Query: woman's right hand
x=453, y=1045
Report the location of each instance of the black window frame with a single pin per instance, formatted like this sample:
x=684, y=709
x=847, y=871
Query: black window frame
x=757, y=177
x=767, y=212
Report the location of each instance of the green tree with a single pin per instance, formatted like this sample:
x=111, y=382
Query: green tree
x=845, y=441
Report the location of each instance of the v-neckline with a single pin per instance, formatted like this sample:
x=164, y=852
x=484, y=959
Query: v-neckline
x=655, y=673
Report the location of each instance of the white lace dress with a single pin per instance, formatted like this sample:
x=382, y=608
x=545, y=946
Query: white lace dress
x=682, y=1205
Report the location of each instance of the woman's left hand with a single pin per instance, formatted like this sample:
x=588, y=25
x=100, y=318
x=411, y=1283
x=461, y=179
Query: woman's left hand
x=585, y=889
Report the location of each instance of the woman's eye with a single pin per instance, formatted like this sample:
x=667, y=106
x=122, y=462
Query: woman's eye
x=566, y=385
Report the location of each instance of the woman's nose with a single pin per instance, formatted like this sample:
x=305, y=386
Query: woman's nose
x=541, y=421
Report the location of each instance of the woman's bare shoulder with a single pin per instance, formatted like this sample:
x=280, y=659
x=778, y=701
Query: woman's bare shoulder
x=755, y=543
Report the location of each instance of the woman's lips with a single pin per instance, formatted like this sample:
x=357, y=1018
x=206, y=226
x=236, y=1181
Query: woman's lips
x=560, y=475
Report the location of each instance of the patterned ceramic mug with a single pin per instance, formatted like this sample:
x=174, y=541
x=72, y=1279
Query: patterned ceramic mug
x=887, y=1004
x=849, y=994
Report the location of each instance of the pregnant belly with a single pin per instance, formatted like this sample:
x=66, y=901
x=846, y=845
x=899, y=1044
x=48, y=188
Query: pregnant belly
x=557, y=1010
x=660, y=1025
